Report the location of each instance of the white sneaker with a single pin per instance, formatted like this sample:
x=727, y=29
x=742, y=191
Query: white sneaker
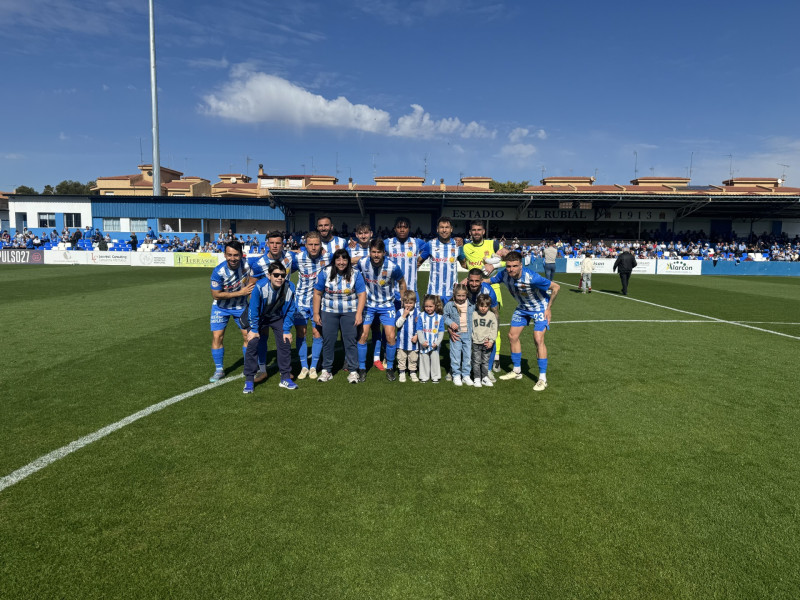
x=491, y=377
x=486, y=382
x=303, y=373
x=496, y=365
x=467, y=380
x=414, y=377
x=312, y=373
x=353, y=377
x=457, y=381
x=540, y=386
x=448, y=377
x=325, y=376
x=477, y=383
x=511, y=375
x=402, y=377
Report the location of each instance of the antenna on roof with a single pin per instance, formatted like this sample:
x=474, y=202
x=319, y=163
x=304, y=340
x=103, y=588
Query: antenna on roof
x=425, y=165
x=374, y=165
x=691, y=163
x=247, y=161
x=635, y=164
x=731, y=167
x=337, y=165
x=783, y=175
x=544, y=170
x=141, y=152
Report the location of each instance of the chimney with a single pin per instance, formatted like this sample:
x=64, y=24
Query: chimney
x=260, y=170
x=442, y=186
x=350, y=183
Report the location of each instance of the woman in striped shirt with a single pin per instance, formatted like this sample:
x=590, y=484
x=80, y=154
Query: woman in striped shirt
x=339, y=298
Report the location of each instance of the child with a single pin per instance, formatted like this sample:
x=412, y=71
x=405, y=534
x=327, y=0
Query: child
x=484, y=331
x=430, y=331
x=458, y=321
x=407, y=336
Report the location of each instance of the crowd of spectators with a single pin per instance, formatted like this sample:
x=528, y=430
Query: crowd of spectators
x=691, y=245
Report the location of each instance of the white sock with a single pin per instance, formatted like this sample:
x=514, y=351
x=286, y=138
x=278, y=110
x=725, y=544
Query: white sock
x=543, y=377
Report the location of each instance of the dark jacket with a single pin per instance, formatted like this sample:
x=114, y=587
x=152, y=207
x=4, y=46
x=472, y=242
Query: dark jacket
x=625, y=263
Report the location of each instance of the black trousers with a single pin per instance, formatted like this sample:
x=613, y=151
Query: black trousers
x=284, y=350
x=624, y=277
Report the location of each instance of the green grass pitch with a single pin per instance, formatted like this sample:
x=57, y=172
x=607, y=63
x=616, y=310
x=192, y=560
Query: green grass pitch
x=662, y=462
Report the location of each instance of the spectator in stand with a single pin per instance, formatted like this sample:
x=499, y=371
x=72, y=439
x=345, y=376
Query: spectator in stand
x=134, y=242
x=550, y=253
x=76, y=237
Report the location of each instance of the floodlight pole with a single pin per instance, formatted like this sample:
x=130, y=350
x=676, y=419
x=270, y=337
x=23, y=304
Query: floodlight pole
x=154, y=104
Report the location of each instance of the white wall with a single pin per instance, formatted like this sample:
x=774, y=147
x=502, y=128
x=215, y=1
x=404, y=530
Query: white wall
x=31, y=209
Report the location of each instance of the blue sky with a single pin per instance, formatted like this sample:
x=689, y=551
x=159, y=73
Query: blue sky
x=508, y=90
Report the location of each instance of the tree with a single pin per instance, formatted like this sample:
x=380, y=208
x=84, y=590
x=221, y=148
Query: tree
x=73, y=188
x=48, y=190
x=24, y=190
x=509, y=187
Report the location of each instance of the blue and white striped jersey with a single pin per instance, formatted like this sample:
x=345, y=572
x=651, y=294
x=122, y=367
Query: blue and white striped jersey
x=261, y=264
x=485, y=289
x=339, y=295
x=405, y=255
x=431, y=329
x=267, y=303
x=381, y=282
x=333, y=245
x=444, y=266
x=407, y=331
x=225, y=280
x=359, y=251
x=308, y=269
x=530, y=290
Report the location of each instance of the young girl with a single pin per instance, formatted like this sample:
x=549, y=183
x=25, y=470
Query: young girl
x=484, y=331
x=406, y=332
x=430, y=331
x=458, y=321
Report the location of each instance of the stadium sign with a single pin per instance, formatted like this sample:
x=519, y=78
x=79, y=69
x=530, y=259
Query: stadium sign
x=644, y=266
x=66, y=257
x=17, y=257
x=680, y=267
x=201, y=259
x=110, y=258
x=556, y=214
x=152, y=259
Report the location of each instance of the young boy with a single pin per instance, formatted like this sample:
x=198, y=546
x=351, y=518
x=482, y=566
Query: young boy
x=484, y=331
x=407, y=350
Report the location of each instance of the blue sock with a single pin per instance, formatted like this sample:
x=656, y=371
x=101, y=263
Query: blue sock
x=316, y=350
x=516, y=359
x=362, y=356
x=302, y=351
x=376, y=353
x=542, y=366
x=491, y=357
x=244, y=351
x=262, y=350
x=218, y=356
x=391, y=352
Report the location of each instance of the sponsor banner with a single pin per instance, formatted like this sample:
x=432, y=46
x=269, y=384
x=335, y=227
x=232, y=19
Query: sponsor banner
x=556, y=214
x=680, y=267
x=200, y=259
x=152, y=259
x=21, y=256
x=66, y=257
x=109, y=258
x=644, y=266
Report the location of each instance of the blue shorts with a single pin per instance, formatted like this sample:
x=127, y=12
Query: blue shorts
x=523, y=318
x=220, y=316
x=303, y=315
x=387, y=315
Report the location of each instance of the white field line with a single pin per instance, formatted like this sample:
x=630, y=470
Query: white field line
x=693, y=314
x=48, y=459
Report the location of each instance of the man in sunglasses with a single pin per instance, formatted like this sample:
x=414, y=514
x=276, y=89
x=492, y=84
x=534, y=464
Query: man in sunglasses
x=272, y=306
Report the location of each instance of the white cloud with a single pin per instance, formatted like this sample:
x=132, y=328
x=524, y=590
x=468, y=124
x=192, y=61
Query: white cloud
x=517, y=135
x=13, y=156
x=252, y=97
x=518, y=151
x=541, y=134
x=208, y=63
x=106, y=87
x=63, y=136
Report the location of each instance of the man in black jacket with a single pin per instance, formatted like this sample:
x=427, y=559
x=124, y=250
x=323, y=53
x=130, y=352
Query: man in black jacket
x=625, y=263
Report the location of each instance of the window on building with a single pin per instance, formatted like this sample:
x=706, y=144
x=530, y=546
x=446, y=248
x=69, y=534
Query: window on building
x=111, y=224
x=72, y=219
x=47, y=220
x=138, y=225
x=109, y=193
